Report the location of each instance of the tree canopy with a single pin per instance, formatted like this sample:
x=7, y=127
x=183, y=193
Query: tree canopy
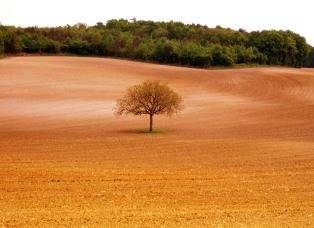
x=149, y=98
x=163, y=42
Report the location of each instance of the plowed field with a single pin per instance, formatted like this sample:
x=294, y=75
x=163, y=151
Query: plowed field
x=240, y=153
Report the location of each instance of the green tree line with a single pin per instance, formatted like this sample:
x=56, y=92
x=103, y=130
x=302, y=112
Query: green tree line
x=163, y=42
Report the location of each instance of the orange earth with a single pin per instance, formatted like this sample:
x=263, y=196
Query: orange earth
x=240, y=154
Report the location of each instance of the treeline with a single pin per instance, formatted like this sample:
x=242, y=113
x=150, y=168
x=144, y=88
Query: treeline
x=310, y=59
x=163, y=42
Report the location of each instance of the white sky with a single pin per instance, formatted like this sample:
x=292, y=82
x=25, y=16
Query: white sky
x=296, y=15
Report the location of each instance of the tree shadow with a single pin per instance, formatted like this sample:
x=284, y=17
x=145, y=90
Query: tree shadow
x=142, y=131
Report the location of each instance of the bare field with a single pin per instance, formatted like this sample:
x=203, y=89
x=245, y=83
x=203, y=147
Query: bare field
x=240, y=154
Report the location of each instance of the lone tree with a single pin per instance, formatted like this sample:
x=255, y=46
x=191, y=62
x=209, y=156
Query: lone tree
x=149, y=98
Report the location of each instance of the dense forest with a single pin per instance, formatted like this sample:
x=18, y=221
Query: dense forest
x=163, y=42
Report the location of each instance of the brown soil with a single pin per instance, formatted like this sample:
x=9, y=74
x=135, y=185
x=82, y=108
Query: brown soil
x=241, y=152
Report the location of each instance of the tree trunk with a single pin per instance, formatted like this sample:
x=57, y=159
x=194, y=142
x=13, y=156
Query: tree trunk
x=150, y=123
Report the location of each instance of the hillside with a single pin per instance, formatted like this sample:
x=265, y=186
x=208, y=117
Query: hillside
x=241, y=152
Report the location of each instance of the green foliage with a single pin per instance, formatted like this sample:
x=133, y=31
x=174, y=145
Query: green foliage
x=1, y=43
x=11, y=40
x=223, y=56
x=164, y=42
x=77, y=46
x=249, y=55
x=309, y=62
x=145, y=50
x=194, y=54
x=281, y=47
x=34, y=43
x=166, y=51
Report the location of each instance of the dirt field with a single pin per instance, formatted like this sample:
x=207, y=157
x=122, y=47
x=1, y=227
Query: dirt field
x=240, y=154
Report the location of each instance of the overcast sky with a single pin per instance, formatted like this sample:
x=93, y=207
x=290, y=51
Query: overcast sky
x=296, y=15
